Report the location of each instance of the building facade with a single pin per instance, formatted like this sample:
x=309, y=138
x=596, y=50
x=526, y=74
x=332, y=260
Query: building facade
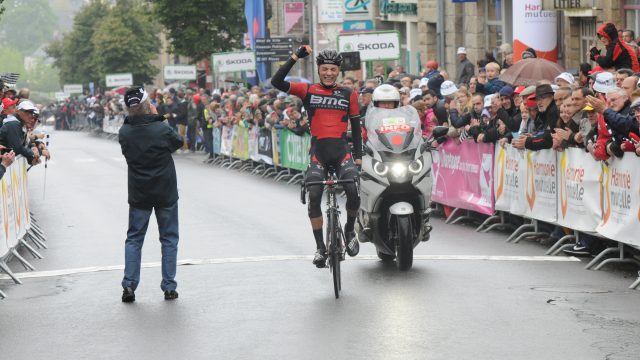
x=434, y=29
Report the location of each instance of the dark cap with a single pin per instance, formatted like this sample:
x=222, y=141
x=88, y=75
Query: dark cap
x=544, y=89
x=135, y=96
x=506, y=91
x=366, y=90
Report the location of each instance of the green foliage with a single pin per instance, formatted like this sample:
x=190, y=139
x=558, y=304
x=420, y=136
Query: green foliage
x=41, y=78
x=27, y=25
x=108, y=39
x=197, y=29
x=11, y=60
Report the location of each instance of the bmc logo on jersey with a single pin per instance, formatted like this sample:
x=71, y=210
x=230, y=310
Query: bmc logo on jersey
x=329, y=102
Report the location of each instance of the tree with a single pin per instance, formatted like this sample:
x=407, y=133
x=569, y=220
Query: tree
x=126, y=41
x=108, y=39
x=197, y=29
x=73, y=53
x=27, y=25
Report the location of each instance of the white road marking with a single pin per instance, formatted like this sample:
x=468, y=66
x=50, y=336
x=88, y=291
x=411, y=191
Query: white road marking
x=85, y=160
x=52, y=273
x=119, y=158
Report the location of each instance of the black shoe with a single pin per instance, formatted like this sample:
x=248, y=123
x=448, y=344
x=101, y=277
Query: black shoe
x=352, y=245
x=170, y=295
x=320, y=258
x=128, y=295
x=578, y=250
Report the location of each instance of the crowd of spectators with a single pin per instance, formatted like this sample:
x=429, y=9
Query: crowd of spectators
x=19, y=117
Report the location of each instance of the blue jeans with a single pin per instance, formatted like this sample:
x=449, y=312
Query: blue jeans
x=168, y=227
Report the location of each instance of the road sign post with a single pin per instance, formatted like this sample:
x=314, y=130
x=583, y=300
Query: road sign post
x=273, y=49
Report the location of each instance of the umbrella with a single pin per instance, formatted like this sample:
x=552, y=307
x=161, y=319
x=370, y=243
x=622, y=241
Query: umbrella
x=120, y=90
x=529, y=71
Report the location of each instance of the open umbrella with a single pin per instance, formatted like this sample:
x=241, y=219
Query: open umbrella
x=529, y=71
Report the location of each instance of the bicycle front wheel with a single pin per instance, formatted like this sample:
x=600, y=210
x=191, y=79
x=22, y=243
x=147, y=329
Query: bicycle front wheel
x=333, y=238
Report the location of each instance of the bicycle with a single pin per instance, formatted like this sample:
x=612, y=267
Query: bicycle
x=335, y=239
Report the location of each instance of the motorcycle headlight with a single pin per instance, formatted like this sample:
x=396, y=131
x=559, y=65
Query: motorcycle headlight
x=416, y=166
x=380, y=168
x=398, y=170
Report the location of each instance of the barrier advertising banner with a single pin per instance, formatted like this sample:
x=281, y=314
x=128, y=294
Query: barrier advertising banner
x=14, y=215
x=265, y=146
x=463, y=176
x=217, y=140
x=275, y=137
x=540, y=185
x=295, y=150
x=578, y=188
x=509, y=180
x=620, y=200
x=240, y=143
x=226, y=140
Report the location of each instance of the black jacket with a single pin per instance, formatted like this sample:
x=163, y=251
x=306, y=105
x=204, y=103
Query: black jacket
x=12, y=136
x=147, y=143
x=545, y=123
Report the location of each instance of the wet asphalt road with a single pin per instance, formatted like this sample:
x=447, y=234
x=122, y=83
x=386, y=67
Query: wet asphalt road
x=252, y=292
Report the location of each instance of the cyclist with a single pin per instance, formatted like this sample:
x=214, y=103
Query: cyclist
x=330, y=108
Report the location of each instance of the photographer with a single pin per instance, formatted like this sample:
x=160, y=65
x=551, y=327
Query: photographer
x=147, y=143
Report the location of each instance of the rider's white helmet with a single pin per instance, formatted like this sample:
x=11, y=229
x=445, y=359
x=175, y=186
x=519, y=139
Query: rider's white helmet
x=386, y=92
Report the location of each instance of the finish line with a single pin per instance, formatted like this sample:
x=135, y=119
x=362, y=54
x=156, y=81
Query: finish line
x=186, y=262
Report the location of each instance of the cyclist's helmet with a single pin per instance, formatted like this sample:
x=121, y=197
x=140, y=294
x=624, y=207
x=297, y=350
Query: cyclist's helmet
x=386, y=93
x=329, y=56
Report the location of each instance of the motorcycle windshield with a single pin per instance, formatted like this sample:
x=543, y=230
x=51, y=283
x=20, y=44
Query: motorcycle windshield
x=393, y=130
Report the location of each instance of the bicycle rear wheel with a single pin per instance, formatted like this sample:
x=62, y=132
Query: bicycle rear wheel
x=334, y=253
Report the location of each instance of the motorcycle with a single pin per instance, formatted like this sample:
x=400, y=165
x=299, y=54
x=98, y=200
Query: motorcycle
x=395, y=184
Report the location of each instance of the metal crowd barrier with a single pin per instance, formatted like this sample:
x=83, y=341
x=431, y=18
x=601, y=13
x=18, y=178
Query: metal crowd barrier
x=19, y=228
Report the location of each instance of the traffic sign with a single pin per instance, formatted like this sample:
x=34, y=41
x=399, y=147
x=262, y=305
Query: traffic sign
x=273, y=49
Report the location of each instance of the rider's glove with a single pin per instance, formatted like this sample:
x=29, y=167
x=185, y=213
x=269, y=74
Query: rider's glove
x=302, y=52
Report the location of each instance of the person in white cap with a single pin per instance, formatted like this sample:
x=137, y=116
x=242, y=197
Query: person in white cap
x=604, y=82
x=465, y=69
x=12, y=132
x=564, y=79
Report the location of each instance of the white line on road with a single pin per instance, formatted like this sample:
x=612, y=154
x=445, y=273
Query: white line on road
x=51, y=273
x=85, y=160
x=119, y=158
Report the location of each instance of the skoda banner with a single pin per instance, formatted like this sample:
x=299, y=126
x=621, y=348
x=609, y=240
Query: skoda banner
x=383, y=45
x=115, y=80
x=233, y=62
x=180, y=72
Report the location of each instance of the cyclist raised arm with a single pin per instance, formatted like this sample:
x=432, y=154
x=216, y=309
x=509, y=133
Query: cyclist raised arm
x=330, y=107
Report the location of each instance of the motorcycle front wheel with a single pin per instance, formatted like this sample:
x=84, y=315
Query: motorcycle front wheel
x=404, y=247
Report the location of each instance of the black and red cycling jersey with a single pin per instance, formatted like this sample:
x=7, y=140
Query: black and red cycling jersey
x=330, y=108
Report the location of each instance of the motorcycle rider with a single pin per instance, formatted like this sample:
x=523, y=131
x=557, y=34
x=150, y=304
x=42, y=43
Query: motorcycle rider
x=386, y=96
x=330, y=107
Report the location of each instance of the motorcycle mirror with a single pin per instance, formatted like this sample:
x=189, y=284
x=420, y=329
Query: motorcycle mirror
x=439, y=131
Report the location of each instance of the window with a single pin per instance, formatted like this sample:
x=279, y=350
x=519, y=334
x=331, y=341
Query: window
x=498, y=29
x=587, y=37
x=632, y=15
